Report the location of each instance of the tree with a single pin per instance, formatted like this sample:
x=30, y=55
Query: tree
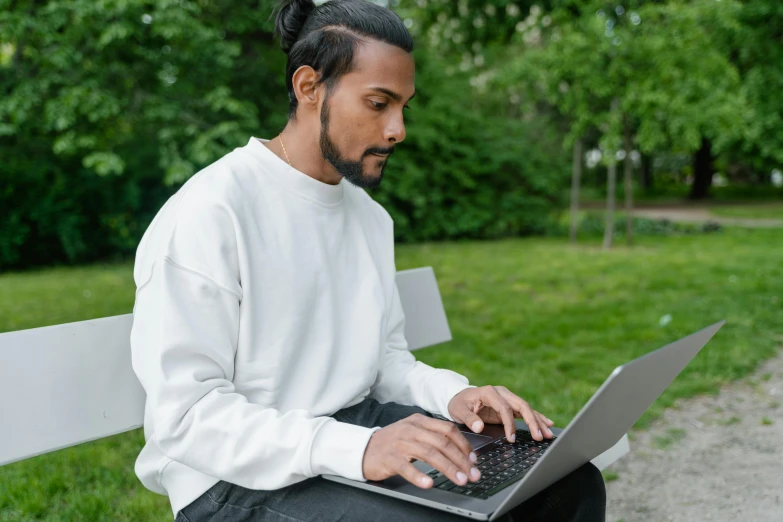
x=662, y=61
x=628, y=179
x=106, y=106
x=755, y=47
x=576, y=176
x=93, y=76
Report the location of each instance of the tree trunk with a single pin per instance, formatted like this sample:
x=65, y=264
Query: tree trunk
x=647, y=172
x=610, y=190
x=702, y=171
x=575, y=180
x=628, y=145
x=611, y=182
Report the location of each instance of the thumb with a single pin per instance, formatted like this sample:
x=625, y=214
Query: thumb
x=469, y=418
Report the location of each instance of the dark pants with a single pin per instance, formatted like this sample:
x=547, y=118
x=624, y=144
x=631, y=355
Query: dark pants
x=579, y=496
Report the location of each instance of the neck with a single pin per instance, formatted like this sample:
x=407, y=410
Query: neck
x=303, y=148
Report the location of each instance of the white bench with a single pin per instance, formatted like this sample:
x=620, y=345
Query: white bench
x=72, y=383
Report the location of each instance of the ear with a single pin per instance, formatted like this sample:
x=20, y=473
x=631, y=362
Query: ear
x=306, y=87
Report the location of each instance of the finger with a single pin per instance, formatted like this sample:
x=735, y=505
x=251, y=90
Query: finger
x=433, y=456
x=526, y=412
x=470, y=418
x=449, y=449
x=504, y=410
x=409, y=472
x=445, y=428
x=532, y=422
x=542, y=421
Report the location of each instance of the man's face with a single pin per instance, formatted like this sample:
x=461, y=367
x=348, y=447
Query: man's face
x=361, y=119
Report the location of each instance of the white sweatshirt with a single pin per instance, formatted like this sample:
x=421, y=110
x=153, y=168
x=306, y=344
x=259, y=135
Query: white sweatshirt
x=266, y=301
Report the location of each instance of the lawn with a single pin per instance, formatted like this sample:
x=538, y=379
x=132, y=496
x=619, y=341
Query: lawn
x=755, y=211
x=546, y=319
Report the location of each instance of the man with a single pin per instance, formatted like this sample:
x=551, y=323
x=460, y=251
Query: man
x=268, y=331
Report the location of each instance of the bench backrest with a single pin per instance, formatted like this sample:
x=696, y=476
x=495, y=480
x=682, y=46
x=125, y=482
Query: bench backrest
x=72, y=383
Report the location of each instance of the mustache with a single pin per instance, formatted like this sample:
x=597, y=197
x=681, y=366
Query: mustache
x=379, y=150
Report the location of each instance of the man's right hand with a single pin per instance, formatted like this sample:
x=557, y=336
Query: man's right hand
x=418, y=437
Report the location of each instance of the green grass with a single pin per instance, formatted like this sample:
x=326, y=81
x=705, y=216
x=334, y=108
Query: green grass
x=61, y=295
x=548, y=320
x=609, y=476
x=757, y=211
x=672, y=436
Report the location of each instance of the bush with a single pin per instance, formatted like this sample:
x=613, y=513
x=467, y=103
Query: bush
x=56, y=211
x=465, y=171
x=592, y=224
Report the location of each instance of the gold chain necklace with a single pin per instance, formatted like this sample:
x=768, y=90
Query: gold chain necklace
x=284, y=152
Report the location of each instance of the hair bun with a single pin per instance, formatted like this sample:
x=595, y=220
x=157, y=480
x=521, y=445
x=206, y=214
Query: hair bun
x=290, y=19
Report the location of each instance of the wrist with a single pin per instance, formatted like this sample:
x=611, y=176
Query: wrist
x=364, y=453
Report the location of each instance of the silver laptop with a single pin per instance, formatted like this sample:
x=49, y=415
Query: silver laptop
x=522, y=469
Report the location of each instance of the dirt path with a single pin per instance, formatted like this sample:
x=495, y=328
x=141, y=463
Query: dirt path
x=709, y=458
x=702, y=215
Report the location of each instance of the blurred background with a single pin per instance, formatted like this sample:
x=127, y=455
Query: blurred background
x=589, y=179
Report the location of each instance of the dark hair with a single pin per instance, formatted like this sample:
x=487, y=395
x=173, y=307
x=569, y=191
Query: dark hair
x=325, y=37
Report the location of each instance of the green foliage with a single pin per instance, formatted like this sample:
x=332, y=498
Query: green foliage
x=93, y=76
x=55, y=209
x=662, y=61
x=105, y=106
x=468, y=172
x=457, y=27
x=680, y=70
x=108, y=106
x=759, y=55
x=546, y=319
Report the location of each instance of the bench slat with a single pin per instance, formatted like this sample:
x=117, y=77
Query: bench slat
x=66, y=384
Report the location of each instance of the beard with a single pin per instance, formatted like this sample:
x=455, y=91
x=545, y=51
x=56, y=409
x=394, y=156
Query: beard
x=350, y=170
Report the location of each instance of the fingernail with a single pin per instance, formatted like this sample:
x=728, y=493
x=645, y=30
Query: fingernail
x=425, y=481
x=477, y=426
x=461, y=477
x=513, y=437
x=474, y=472
x=472, y=456
x=539, y=433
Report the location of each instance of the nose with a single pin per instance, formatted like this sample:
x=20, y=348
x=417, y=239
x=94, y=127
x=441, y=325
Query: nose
x=395, y=129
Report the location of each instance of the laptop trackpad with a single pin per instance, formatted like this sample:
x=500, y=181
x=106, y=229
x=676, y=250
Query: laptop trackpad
x=476, y=440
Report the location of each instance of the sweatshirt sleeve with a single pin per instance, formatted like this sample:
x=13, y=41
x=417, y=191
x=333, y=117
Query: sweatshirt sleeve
x=403, y=379
x=184, y=341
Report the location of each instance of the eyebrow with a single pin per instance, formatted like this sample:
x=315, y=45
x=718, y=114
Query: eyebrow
x=391, y=94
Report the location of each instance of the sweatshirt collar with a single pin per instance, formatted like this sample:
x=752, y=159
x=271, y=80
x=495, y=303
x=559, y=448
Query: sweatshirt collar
x=295, y=180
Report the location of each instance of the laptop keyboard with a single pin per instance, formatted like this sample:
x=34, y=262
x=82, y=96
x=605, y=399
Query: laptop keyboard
x=501, y=464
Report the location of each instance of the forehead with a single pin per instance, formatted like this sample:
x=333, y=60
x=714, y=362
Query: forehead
x=378, y=64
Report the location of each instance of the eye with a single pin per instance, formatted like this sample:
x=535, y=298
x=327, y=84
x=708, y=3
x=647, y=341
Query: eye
x=379, y=106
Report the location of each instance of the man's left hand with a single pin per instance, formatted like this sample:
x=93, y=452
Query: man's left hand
x=497, y=405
